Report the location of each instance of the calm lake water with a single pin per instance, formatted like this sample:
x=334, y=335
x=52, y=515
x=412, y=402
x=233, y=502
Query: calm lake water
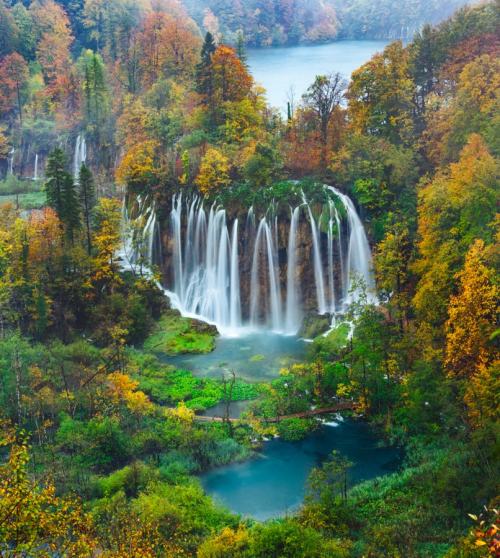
x=278, y=69
x=273, y=483
x=256, y=357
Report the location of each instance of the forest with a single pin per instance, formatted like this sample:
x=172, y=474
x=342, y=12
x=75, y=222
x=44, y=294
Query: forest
x=114, y=112
x=286, y=22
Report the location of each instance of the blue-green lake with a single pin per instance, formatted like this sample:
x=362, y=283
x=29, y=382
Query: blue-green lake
x=273, y=483
x=279, y=69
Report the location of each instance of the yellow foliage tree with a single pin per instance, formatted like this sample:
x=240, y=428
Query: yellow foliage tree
x=33, y=520
x=229, y=542
x=138, y=166
x=106, y=241
x=214, y=172
x=123, y=389
x=470, y=353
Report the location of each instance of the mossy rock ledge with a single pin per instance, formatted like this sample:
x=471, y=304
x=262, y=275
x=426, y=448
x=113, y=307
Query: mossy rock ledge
x=175, y=335
x=314, y=325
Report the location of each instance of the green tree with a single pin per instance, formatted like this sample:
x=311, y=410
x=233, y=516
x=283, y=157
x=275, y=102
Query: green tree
x=330, y=481
x=204, y=72
x=95, y=92
x=61, y=192
x=87, y=201
x=241, y=47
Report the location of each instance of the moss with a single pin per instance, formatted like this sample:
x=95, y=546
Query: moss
x=257, y=358
x=166, y=385
x=176, y=335
x=314, y=325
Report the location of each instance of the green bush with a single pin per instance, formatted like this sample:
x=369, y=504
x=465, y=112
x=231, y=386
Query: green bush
x=294, y=429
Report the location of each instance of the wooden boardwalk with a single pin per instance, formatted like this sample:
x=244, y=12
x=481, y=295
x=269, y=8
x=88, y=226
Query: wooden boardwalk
x=340, y=406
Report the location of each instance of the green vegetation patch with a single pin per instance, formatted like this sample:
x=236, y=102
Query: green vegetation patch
x=328, y=346
x=175, y=335
x=168, y=386
x=279, y=195
x=295, y=429
x=31, y=200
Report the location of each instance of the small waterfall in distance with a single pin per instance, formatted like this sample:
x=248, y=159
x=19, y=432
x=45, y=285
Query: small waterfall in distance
x=80, y=156
x=11, y=161
x=241, y=278
x=35, y=168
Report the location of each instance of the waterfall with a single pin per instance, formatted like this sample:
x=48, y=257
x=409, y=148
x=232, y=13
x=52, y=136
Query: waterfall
x=318, y=266
x=252, y=274
x=359, y=257
x=331, y=280
x=235, y=298
x=35, y=168
x=80, y=156
x=139, y=230
x=11, y=161
x=293, y=313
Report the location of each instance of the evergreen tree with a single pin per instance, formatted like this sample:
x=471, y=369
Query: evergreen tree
x=204, y=77
x=94, y=88
x=61, y=192
x=87, y=201
x=241, y=50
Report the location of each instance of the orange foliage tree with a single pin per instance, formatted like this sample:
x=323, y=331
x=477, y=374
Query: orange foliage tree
x=13, y=77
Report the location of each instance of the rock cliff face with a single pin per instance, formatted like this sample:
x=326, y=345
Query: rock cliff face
x=196, y=242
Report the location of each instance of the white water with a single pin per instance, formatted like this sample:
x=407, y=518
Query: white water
x=318, y=265
x=11, y=161
x=359, y=256
x=207, y=255
x=35, y=168
x=293, y=313
x=80, y=156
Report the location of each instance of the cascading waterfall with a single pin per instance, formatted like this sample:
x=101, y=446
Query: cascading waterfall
x=258, y=275
x=318, y=266
x=293, y=313
x=139, y=232
x=80, y=156
x=359, y=256
x=235, y=300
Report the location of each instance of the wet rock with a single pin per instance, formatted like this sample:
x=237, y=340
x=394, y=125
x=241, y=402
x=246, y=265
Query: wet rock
x=314, y=325
x=202, y=327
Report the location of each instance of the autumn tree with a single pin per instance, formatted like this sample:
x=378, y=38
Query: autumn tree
x=381, y=96
x=391, y=266
x=170, y=45
x=139, y=167
x=455, y=208
x=53, y=42
x=214, y=172
x=222, y=81
x=472, y=321
x=323, y=97
x=106, y=241
x=33, y=520
x=232, y=82
x=13, y=78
